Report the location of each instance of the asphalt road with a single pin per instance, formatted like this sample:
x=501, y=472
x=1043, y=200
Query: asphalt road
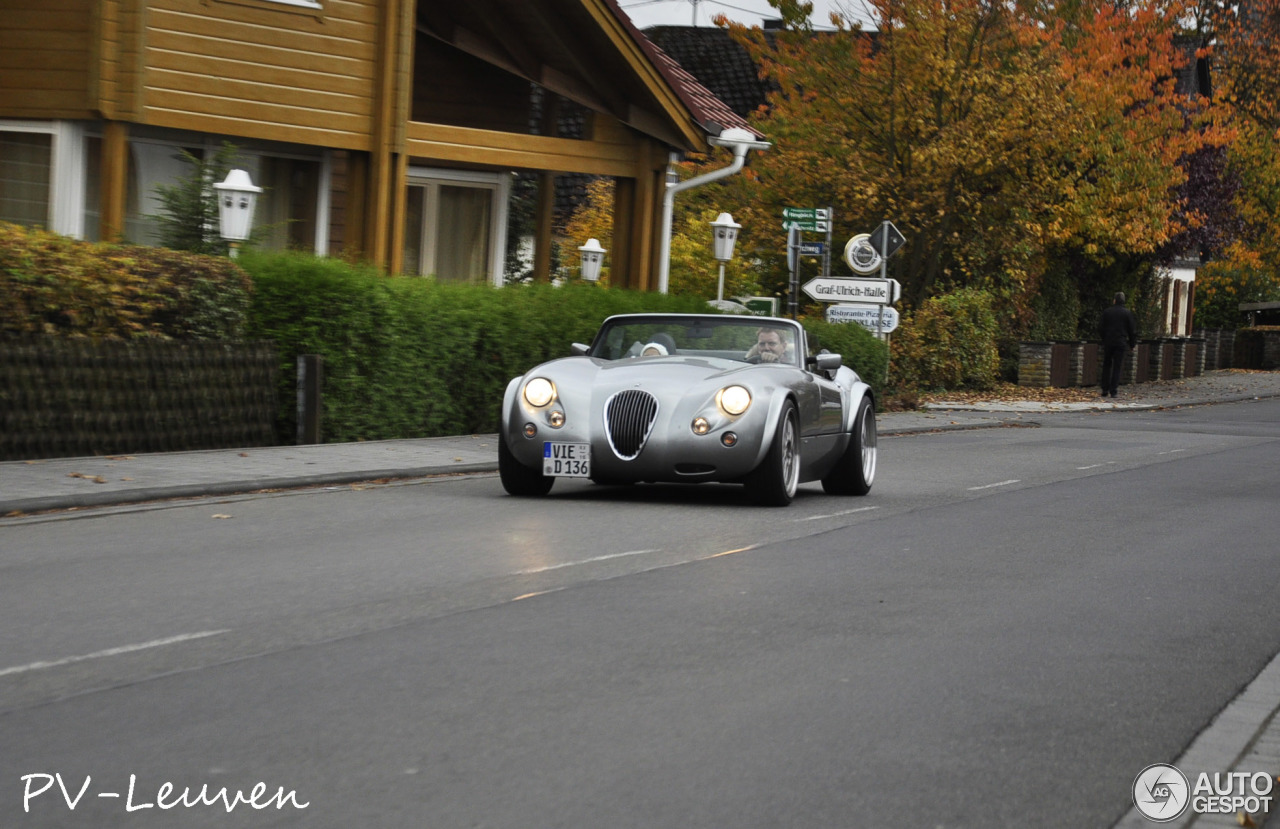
x=1010, y=627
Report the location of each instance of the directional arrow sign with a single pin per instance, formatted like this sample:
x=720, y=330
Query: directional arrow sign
x=880, y=318
x=886, y=239
x=811, y=225
x=850, y=289
x=806, y=213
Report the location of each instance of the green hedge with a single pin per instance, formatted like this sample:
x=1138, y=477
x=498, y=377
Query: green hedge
x=410, y=357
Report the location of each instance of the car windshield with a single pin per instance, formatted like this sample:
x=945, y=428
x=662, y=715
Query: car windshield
x=729, y=338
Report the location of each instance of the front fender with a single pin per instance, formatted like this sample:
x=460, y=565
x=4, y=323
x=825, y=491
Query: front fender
x=776, y=402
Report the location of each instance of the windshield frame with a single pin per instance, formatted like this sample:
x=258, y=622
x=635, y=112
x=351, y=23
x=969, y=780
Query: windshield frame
x=604, y=347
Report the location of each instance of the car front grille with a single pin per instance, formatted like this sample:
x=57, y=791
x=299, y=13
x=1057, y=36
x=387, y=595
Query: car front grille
x=628, y=420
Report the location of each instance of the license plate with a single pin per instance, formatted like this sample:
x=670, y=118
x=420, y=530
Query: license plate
x=566, y=460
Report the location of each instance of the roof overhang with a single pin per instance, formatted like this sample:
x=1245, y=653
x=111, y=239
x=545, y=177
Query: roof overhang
x=587, y=51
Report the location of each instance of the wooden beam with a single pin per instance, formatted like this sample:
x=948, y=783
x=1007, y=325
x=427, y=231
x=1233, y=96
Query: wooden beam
x=622, y=273
x=400, y=195
x=504, y=150
x=542, y=232
x=115, y=166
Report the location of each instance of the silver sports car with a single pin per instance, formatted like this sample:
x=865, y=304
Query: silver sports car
x=691, y=398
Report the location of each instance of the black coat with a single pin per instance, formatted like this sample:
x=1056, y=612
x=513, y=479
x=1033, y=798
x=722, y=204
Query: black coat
x=1119, y=326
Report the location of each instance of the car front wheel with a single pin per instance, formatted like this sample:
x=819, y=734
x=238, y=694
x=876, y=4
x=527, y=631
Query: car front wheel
x=774, y=482
x=856, y=470
x=518, y=479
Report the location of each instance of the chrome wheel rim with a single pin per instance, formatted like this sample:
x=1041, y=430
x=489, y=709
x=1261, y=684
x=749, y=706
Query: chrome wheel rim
x=868, y=429
x=790, y=457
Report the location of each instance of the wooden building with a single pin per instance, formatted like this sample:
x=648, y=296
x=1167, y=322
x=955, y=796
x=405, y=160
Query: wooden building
x=387, y=128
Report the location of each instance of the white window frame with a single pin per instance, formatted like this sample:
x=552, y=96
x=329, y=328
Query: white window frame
x=66, y=172
x=498, y=183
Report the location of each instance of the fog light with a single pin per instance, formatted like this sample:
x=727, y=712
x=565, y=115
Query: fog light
x=729, y=439
x=701, y=426
x=530, y=430
x=556, y=419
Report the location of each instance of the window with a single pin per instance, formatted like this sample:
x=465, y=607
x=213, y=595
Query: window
x=455, y=225
x=25, y=163
x=288, y=215
x=41, y=175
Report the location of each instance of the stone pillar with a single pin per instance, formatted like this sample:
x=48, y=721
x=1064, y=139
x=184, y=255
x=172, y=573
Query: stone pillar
x=1155, y=359
x=1208, y=348
x=1178, y=365
x=1034, y=363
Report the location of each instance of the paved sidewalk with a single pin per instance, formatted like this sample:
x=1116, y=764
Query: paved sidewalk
x=66, y=483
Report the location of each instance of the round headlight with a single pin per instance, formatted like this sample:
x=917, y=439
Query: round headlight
x=734, y=399
x=539, y=392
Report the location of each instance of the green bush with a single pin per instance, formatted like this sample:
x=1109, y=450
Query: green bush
x=861, y=350
x=55, y=285
x=949, y=342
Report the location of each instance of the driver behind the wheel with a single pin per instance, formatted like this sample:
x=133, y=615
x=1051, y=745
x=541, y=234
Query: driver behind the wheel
x=771, y=347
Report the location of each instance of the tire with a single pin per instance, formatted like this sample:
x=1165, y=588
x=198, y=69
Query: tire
x=518, y=479
x=856, y=470
x=774, y=482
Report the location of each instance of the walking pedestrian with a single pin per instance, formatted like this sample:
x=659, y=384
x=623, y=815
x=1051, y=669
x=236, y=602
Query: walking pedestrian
x=1119, y=328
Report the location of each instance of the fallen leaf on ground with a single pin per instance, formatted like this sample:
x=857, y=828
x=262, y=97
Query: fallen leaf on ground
x=221, y=515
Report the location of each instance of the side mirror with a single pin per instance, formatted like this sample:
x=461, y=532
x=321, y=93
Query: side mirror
x=579, y=350
x=826, y=361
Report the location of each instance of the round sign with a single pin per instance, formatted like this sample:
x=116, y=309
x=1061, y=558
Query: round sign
x=860, y=255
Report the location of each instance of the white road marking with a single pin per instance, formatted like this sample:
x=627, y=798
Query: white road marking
x=142, y=646
x=836, y=514
x=534, y=570
x=991, y=486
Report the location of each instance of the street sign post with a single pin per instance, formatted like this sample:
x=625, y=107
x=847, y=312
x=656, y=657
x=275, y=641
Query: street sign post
x=793, y=265
x=861, y=256
x=852, y=289
x=880, y=319
x=886, y=239
x=812, y=219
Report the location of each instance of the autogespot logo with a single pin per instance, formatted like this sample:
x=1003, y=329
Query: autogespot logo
x=1161, y=793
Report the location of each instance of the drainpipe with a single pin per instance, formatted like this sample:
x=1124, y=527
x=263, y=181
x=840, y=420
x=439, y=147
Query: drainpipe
x=737, y=139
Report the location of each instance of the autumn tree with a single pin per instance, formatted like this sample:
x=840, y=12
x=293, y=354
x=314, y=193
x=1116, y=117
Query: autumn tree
x=994, y=135
x=1245, y=56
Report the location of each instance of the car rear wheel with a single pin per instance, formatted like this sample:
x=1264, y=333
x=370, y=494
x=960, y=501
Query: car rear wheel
x=774, y=482
x=518, y=479
x=856, y=471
